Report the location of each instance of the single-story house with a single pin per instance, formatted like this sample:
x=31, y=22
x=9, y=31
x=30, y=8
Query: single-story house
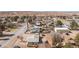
x=57, y=29
x=33, y=38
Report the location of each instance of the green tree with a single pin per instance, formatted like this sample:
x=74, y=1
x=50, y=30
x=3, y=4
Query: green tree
x=73, y=25
x=77, y=38
x=15, y=18
x=67, y=45
x=2, y=27
x=59, y=23
x=23, y=18
x=34, y=17
x=9, y=22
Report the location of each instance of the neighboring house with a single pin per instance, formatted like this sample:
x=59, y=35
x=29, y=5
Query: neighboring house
x=57, y=29
x=37, y=23
x=35, y=29
x=33, y=40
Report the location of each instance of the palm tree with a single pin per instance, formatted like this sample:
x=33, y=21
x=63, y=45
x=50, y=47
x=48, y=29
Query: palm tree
x=27, y=19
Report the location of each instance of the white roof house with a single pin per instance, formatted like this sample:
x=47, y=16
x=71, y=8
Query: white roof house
x=60, y=28
x=33, y=38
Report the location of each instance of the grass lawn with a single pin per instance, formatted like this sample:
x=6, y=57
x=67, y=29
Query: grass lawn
x=64, y=21
x=11, y=30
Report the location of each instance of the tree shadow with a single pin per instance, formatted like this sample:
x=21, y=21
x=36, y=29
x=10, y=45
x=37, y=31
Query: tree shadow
x=6, y=35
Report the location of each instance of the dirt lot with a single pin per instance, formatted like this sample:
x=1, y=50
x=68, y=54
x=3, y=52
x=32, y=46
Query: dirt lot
x=71, y=35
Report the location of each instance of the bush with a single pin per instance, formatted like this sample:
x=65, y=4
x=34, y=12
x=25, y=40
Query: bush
x=67, y=45
x=73, y=25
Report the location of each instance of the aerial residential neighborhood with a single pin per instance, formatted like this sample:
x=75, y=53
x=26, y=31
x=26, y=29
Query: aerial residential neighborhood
x=40, y=29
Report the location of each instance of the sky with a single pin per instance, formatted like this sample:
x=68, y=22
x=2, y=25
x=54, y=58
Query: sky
x=39, y=5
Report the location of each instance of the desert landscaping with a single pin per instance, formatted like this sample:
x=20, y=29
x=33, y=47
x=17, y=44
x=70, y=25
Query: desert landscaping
x=28, y=29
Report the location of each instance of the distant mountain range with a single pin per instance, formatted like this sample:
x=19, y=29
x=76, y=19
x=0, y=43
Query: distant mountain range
x=39, y=13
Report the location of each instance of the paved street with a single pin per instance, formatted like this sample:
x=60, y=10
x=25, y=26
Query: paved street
x=13, y=39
